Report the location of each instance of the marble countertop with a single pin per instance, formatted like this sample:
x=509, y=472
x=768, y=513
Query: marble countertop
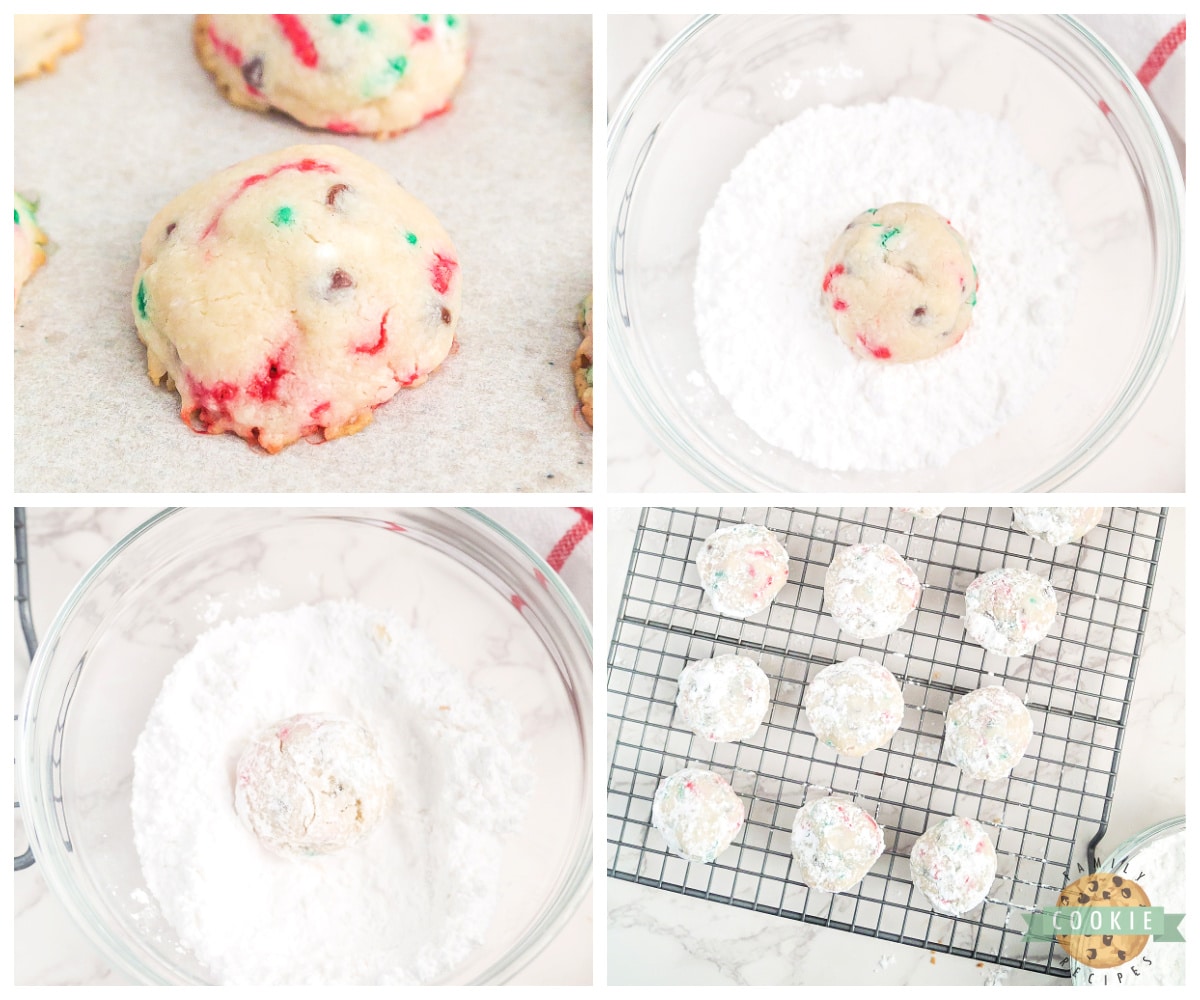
x=658, y=937
x=49, y=948
x=1148, y=454
x=131, y=120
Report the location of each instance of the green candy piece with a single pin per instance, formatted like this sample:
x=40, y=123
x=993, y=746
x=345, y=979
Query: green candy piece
x=883, y=240
x=451, y=21
x=399, y=64
x=411, y=237
x=283, y=216
x=141, y=298
x=339, y=18
x=364, y=28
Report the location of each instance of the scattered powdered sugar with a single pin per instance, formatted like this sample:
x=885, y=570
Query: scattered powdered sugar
x=406, y=904
x=770, y=349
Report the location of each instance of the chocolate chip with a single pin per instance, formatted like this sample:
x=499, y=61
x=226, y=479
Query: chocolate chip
x=252, y=72
x=333, y=195
x=1084, y=897
x=445, y=315
x=340, y=279
x=1126, y=893
x=1107, y=939
x=1091, y=953
x=1093, y=885
x=170, y=228
x=1118, y=881
x=918, y=312
x=1107, y=894
x=1121, y=954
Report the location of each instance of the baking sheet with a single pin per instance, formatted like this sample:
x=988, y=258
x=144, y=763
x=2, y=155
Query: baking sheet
x=131, y=120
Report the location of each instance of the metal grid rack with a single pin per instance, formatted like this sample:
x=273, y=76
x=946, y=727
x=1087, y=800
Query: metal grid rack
x=1044, y=820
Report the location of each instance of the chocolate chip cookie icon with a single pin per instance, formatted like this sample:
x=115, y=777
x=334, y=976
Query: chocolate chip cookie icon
x=1103, y=951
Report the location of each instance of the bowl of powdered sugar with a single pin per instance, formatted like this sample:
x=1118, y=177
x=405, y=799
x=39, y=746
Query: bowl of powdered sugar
x=745, y=166
x=353, y=748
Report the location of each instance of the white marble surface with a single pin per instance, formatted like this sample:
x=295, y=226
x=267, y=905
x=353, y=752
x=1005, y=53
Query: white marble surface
x=508, y=173
x=1148, y=455
x=659, y=937
x=49, y=948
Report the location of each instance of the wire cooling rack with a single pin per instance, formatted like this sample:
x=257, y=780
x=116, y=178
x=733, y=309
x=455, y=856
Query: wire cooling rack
x=1044, y=820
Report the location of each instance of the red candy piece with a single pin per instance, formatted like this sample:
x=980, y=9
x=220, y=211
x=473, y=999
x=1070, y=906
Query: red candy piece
x=875, y=352
x=833, y=273
x=264, y=385
x=423, y=33
x=346, y=128
x=303, y=166
x=437, y=112
x=298, y=38
x=210, y=403
x=227, y=50
x=317, y=410
x=442, y=269
x=839, y=305
x=381, y=343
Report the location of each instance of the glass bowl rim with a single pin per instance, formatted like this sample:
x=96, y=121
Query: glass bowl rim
x=546, y=925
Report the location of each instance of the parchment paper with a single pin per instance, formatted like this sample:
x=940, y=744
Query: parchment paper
x=131, y=120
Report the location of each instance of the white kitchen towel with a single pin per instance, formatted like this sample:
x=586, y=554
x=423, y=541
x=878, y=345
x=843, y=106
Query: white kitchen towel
x=560, y=535
x=1152, y=46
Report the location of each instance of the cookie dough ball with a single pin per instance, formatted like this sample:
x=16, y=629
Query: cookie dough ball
x=581, y=365
x=311, y=784
x=28, y=240
x=379, y=74
x=41, y=38
x=742, y=568
x=987, y=731
x=723, y=699
x=855, y=706
x=1010, y=610
x=698, y=814
x=834, y=843
x=899, y=284
x=921, y=511
x=870, y=590
x=954, y=864
x=1057, y=525
x=290, y=295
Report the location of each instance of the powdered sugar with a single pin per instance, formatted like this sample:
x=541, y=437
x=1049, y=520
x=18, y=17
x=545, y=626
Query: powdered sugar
x=407, y=903
x=767, y=344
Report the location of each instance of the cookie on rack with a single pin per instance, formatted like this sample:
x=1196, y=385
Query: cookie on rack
x=698, y=813
x=870, y=590
x=834, y=843
x=724, y=698
x=954, y=864
x=375, y=74
x=28, y=241
x=742, y=568
x=1057, y=525
x=987, y=733
x=581, y=365
x=39, y=39
x=854, y=706
x=1010, y=610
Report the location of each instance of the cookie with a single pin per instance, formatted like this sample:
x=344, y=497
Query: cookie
x=954, y=864
x=1057, y=525
x=854, y=706
x=723, y=699
x=742, y=568
x=987, y=732
x=870, y=590
x=376, y=74
x=582, y=365
x=1103, y=951
x=288, y=296
x=698, y=814
x=834, y=844
x=28, y=240
x=1010, y=610
x=39, y=39
x=311, y=784
x=899, y=284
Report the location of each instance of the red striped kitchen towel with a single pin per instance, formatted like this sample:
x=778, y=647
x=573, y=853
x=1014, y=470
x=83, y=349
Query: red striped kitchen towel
x=1152, y=45
x=560, y=535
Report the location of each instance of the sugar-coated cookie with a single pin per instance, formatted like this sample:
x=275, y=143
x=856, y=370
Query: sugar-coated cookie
x=698, y=813
x=987, y=731
x=379, y=74
x=28, y=240
x=742, y=567
x=290, y=295
x=854, y=706
x=834, y=843
x=870, y=590
x=724, y=698
x=39, y=39
x=954, y=864
x=1010, y=610
x=1057, y=525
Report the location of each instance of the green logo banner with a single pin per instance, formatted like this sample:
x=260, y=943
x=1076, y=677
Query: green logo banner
x=1153, y=921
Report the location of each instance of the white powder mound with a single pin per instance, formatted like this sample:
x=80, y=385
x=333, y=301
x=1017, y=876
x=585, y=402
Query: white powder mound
x=404, y=905
x=769, y=347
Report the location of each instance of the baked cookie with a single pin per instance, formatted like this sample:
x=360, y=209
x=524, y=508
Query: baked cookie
x=290, y=295
x=1103, y=951
x=698, y=814
x=854, y=706
x=582, y=365
x=954, y=864
x=311, y=784
x=834, y=843
x=28, y=240
x=1010, y=610
x=378, y=74
x=899, y=284
x=742, y=568
x=39, y=39
x=1057, y=525
x=987, y=731
x=723, y=699
x=870, y=590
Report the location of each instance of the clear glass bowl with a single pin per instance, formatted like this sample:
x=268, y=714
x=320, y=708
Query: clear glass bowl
x=727, y=80
x=1117, y=859
x=142, y=606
